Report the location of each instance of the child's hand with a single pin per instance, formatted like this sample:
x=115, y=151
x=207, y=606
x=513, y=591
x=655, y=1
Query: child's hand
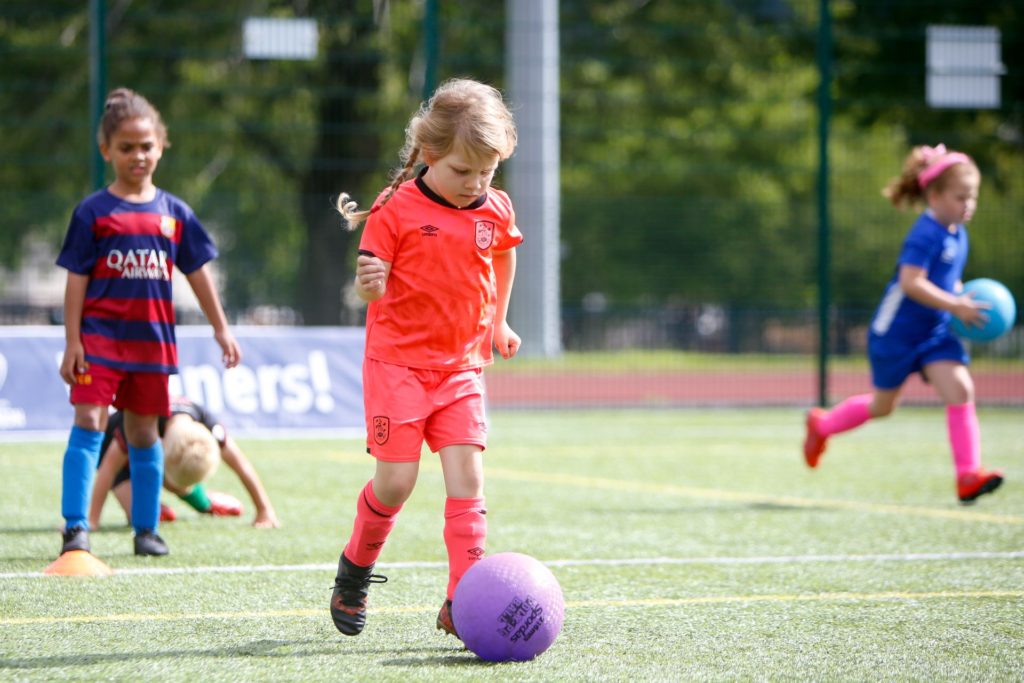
x=266, y=519
x=506, y=341
x=371, y=276
x=73, y=363
x=229, y=345
x=969, y=311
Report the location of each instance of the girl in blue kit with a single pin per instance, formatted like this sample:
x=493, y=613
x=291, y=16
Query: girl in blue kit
x=910, y=330
x=121, y=248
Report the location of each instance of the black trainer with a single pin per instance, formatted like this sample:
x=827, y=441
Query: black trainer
x=76, y=538
x=348, y=602
x=147, y=542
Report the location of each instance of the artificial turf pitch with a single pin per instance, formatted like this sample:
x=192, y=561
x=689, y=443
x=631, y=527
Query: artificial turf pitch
x=690, y=545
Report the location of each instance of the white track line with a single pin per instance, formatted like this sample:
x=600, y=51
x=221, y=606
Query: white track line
x=644, y=561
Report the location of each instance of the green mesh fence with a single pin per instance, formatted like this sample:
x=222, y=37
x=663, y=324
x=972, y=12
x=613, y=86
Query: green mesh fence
x=690, y=158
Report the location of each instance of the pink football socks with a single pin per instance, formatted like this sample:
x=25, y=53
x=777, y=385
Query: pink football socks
x=374, y=522
x=465, y=534
x=964, y=437
x=848, y=414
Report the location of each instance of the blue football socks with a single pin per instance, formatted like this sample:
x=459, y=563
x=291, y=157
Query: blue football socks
x=79, y=470
x=147, y=467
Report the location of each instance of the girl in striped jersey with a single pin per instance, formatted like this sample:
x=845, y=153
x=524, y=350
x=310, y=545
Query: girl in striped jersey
x=121, y=248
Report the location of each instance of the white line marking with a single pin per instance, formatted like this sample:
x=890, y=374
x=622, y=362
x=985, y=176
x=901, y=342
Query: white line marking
x=644, y=561
x=318, y=613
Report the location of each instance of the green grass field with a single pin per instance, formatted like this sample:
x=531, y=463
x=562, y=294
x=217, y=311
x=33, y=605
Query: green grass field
x=690, y=545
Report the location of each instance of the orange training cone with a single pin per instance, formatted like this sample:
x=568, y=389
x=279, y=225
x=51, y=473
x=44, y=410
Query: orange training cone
x=78, y=563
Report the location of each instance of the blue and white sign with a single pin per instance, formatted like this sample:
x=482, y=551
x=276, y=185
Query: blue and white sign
x=292, y=379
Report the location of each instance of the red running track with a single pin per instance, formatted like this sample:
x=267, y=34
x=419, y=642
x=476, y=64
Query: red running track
x=705, y=388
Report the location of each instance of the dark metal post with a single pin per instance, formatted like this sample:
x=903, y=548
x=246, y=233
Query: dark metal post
x=824, y=228
x=431, y=41
x=97, y=82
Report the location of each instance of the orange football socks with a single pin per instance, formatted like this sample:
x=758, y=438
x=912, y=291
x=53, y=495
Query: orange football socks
x=374, y=522
x=465, y=535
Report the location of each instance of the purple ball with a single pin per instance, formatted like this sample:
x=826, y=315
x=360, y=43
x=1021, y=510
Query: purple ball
x=508, y=606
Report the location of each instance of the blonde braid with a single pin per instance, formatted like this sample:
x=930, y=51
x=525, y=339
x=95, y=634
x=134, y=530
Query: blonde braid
x=349, y=209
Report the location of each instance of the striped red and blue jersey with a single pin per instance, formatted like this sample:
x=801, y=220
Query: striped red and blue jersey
x=129, y=251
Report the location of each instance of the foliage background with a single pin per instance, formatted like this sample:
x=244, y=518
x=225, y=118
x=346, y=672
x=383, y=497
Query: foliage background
x=689, y=145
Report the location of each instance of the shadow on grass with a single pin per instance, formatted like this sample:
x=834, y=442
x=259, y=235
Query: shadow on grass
x=464, y=658
x=756, y=506
x=53, y=528
x=781, y=507
x=108, y=528
x=55, y=531
x=259, y=648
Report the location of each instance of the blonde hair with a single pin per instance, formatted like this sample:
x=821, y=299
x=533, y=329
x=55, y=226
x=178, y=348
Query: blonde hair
x=191, y=453
x=462, y=113
x=123, y=104
x=905, y=191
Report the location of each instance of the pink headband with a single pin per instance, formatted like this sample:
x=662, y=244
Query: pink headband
x=938, y=160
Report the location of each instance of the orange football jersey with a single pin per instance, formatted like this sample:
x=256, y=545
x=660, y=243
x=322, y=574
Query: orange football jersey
x=438, y=309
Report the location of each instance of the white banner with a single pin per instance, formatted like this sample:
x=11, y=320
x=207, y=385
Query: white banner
x=299, y=380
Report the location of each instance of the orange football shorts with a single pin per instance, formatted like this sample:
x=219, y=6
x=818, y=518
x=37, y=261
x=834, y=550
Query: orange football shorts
x=407, y=406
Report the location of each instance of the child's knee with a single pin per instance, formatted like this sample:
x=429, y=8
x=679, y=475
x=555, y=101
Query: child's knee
x=90, y=417
x=880, y=409
x=394, y=486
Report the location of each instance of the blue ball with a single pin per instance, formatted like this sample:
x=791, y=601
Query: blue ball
x=1000, y=317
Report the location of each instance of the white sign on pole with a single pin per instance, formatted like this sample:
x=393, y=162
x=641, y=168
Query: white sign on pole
x=279, y=38
x=964, y=66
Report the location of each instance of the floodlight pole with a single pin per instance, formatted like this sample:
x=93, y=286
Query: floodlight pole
x=97, y=84
x=531, y=41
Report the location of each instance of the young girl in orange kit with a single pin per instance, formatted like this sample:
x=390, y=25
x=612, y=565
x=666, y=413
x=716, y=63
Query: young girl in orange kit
x=436, y=264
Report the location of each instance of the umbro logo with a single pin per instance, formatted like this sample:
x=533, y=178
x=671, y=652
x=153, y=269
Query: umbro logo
x=428, y=230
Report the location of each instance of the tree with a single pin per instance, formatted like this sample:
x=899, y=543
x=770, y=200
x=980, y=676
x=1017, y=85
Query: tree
x=343, y=94
x=688, y=166
x=688, y=137
x=260, y=148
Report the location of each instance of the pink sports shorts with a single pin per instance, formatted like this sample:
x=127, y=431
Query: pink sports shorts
x=407, y=406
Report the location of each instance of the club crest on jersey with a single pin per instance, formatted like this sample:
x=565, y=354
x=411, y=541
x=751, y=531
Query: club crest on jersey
x=381, y=429
x=484, y=234
x=167, y=226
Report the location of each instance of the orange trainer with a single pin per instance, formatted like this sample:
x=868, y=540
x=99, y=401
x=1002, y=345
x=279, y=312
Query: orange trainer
x=814, y=442
x=973, y=484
